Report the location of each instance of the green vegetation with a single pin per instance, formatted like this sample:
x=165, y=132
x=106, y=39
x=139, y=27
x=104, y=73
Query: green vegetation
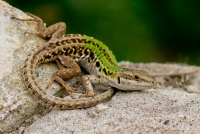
x=135, y=30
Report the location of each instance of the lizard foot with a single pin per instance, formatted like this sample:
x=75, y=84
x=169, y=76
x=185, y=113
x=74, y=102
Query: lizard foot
x=88, y=94
x=69, y=90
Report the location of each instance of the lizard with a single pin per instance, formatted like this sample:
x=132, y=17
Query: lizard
x=70, y=51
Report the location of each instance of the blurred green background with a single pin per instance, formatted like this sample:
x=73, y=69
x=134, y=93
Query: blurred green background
x=135, y=30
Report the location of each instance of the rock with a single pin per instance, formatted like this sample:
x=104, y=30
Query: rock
x=17, y=105
x=152, y=111
x=173, y=107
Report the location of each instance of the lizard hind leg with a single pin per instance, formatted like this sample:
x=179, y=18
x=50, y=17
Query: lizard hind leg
x=52, y=32
x=68, y=69
x=87, y=81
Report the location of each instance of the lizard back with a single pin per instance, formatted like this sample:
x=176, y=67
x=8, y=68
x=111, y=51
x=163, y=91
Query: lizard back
x=88, y=52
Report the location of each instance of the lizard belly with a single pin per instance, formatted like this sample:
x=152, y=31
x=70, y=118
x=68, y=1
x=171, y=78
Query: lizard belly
x=90, y=68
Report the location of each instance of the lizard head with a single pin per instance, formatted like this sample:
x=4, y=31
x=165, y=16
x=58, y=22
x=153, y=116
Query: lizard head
x=131, y=79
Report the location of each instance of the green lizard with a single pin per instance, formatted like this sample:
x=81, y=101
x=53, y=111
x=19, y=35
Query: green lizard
x=70, y=51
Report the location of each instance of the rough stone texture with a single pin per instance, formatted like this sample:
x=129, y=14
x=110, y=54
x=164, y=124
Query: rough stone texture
x=173, y=107
x=151, y=111
x=17, y=105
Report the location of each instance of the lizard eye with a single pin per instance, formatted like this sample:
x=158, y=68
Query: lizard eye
x=136, y=77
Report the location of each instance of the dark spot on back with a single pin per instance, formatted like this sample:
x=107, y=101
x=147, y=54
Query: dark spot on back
x=54, y=53
x=97, y=64
x=104, y=70
x=95, y=59
x=58, y=43
x=75, y=50
x=79, y=41
x=89, y=42
x=110, y=73
x=86, y=52
x=93, y=44
x=118, y=80
x=92, y=55
x=65, y=49
x=97, y=45
x=83, y=40
x=88, y=59
x=47, y=57
x=74, y=40
x=70, y=51
x=80, y=52
x=68, y=41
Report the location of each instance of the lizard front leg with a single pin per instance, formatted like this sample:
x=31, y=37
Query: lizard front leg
x=68, y=68
x=87, y=81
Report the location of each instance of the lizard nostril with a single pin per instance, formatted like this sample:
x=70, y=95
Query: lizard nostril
x=154, y=82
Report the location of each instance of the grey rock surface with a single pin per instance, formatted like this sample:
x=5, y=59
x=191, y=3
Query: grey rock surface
x=173, y=107
x=150, y=111
x=17, y=105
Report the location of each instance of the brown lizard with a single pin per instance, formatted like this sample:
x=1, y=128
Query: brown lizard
x=71, y=50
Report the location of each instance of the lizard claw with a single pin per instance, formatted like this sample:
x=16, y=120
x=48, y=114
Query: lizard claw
x=69, y=90
x=50, y=83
